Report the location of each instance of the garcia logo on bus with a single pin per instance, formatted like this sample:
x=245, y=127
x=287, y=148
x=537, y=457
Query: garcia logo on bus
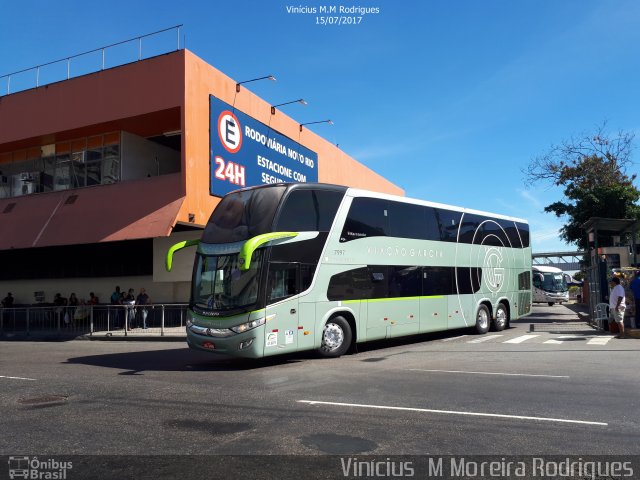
x=493, y=272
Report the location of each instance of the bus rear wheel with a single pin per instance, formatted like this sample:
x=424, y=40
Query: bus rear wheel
x=502, y=317
x=336, y=337
x=550, y=304
x=483, y=319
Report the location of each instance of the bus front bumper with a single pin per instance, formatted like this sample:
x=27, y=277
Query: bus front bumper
x=249, y=344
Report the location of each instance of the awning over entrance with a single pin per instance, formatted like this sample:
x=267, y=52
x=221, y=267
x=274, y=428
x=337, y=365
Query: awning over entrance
x=146, y=208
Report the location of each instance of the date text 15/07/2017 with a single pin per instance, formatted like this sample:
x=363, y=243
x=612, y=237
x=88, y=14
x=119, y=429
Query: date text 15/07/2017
x=338, y=20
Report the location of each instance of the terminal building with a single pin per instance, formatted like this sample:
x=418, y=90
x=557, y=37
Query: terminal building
x=101, y=173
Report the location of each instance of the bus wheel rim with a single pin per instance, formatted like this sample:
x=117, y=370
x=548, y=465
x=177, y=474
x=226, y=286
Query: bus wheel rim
x=482, y=319
x=501, y=317
x=333, y=336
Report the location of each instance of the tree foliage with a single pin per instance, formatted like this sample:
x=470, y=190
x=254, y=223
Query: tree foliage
x=592, y=169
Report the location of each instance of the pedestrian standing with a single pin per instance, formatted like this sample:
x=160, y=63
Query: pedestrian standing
x=142, y=302
x=7, y=302
x=617, y=305
x=116, y=300
x=93, y=300
x=635, y=289
x=129, y=300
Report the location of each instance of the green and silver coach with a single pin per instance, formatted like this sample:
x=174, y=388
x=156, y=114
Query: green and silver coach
x=290, y=267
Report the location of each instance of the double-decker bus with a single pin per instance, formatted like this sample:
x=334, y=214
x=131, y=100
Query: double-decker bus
x=291, y=267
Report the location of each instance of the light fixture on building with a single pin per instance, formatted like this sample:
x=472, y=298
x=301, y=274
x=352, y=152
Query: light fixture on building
x=268, y=77
x=172, y=133
x=319, y=121
x=300, y=100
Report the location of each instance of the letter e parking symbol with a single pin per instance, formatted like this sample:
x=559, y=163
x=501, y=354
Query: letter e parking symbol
x=229, y=131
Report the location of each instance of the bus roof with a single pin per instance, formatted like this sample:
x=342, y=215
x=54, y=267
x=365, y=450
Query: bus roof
x=545, y=269
x=356, y=192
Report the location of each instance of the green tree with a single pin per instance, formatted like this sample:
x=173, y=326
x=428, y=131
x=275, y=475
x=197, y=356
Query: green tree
x=592, y=169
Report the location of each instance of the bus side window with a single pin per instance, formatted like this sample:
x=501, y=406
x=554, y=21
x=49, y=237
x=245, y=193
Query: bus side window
x=449, y=222
x=282, y=281
x=367, y=217
x=537, y=280
x=306, y=276
x=309, y=210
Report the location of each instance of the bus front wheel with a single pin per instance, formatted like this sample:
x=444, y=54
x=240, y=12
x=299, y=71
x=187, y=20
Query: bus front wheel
x=483, y=319
x=336, y=338
x=550, y=304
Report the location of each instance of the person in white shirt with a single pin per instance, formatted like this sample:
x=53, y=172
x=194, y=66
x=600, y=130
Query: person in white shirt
x=617, y=304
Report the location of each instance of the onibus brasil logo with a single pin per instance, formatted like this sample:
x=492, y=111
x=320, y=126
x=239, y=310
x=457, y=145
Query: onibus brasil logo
x=494, y=273
x=33, y=468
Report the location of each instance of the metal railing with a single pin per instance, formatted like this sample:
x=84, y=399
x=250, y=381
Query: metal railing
x=75, y=321
x=102, y=50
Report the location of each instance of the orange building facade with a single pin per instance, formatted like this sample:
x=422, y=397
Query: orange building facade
x=99, y=174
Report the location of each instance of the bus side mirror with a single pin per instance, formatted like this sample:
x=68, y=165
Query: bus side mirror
x=175, y=248
x=250, y=246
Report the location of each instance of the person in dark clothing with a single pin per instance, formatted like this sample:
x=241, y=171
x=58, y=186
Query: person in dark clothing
x=142, y=301
x=7, y=302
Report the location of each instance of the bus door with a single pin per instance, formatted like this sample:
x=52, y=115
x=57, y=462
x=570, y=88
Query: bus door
x=405, y=289
x=378, y=305
x=436, y=286
x=281, y=330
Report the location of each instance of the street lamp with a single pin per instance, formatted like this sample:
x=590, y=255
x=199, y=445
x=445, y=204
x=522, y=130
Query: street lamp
x=268, y=77
x=300, y=100
x=319, y=121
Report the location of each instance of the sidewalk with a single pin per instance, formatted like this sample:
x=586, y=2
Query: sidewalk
x=175, y=334
x=574, y=319
x=565, y=318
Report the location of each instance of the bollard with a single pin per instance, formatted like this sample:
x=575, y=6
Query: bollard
x=162, y=322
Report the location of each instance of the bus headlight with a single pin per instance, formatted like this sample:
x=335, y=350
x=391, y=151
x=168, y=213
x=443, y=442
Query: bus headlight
x=189, y=321
x=245, y=327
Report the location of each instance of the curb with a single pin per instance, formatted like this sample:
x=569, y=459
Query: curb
x=99, y=338
x=132, y=338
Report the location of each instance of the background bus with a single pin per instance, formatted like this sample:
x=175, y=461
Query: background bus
x=290, y=267
x=549, y=285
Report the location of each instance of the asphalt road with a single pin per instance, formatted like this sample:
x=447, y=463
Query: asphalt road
x=568, y=391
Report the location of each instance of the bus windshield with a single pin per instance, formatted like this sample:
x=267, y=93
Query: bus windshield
x=220, y=285
x=553, y=282
x=243, y=215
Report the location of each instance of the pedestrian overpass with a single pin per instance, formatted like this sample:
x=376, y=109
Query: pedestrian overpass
x=565, y=261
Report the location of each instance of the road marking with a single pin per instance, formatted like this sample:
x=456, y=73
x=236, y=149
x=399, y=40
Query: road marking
x=490, y=373
x=554, y=342
x=599, y=341
x=453, y=412
x=17, y=378
x=485, y=339
x=521, y=339
x=454, y=338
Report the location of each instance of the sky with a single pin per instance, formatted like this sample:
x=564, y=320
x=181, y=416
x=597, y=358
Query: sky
x=449, y=100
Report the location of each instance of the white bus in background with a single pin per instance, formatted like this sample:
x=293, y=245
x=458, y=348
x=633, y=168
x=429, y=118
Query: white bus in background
x=549, y=285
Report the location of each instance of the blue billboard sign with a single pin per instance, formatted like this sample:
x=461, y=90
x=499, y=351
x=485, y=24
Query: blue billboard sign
x=245, y=152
